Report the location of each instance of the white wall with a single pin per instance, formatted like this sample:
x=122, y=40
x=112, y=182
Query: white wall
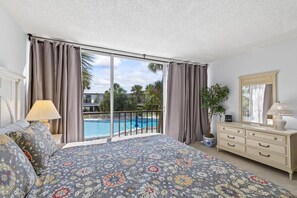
x=12, y=44
x=281, y=57
x=13, y=48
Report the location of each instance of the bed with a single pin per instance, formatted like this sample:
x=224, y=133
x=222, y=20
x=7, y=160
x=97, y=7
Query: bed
x=143, y=166
x=150, y=166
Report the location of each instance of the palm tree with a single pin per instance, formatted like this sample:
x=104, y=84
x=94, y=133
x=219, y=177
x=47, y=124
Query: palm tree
x=137, y=92
x=154, y=96
x=154, y=67
x=87, y=77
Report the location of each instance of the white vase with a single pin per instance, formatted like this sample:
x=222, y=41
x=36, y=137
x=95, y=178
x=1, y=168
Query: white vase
x=209, y=142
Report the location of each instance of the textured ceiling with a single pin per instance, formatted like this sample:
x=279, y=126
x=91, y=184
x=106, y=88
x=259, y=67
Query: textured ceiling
x=197, y=30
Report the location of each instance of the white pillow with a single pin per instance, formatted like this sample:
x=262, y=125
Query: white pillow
x=22, y=123
x=18, y=125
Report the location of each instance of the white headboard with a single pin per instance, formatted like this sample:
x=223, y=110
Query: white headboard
x=10, y=96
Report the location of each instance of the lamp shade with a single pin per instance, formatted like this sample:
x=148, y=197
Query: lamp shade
x=43, y=110
x=280, y=109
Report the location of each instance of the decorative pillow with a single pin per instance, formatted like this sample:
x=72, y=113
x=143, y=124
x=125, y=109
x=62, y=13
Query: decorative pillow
x=17, y=175
x=37, y=143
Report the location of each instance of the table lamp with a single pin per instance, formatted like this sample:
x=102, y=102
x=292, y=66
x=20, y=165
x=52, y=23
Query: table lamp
x=279, y=110
x=43, y=110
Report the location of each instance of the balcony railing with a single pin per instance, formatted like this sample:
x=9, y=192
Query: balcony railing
x=97, y=124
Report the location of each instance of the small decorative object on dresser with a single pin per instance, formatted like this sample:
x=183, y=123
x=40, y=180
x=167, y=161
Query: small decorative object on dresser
x=263, y=144
x=279, y=110
x=228, y=118
x=212, y=97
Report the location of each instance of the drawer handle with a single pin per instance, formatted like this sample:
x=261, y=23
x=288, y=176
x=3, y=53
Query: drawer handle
x=265, y=146
x=232, y=145
x=223, y=128
x=253, y=134
x=275, y=138
x=264, y=155
x=238, y=131
x=230, y=137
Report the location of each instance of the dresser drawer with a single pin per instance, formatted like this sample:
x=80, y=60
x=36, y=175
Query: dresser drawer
x=232, y=146
x=267, y=146
x=233, y=138
x=233, y=130
x=275, y=158
x=278, y=139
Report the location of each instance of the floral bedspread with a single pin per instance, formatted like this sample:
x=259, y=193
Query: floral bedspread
x=154, y=166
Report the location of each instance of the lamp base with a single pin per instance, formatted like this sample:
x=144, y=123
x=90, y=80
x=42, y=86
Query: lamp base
x=46, y=123
x=279, y=124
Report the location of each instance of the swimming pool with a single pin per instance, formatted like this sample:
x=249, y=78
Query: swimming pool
x=100, y=128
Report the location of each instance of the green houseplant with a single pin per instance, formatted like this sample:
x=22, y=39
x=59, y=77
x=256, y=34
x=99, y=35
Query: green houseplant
x=212, y=99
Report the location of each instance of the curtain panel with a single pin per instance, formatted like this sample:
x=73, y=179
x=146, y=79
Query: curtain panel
x=55, y=74
x=268, y=101
x=186, y=121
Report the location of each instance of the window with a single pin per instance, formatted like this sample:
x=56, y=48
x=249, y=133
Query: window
x=137, y=105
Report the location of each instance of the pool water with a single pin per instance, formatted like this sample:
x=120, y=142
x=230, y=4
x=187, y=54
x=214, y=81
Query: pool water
x=101, y=128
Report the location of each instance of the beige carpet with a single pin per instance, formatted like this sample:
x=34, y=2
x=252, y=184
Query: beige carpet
x=276, y=176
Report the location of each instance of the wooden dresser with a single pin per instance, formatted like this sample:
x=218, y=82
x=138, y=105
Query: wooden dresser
x=262, y=144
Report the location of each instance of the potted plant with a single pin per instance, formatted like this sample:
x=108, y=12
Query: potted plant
x=212, y=97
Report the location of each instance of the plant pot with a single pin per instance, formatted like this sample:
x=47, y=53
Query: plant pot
x=209, y=141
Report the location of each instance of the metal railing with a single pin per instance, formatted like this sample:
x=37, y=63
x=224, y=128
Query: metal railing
x=125, y=123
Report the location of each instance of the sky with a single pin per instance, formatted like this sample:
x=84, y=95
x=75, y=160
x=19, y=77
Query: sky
x=128, y=72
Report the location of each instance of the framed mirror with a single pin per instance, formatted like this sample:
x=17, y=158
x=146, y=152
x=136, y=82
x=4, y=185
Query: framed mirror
x=257, y=93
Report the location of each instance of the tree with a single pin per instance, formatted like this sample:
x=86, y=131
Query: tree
x=154, y=67
x=105, y=103
x=154, y=96
x=137, y=93
x=121, y=101
x=212, y=97
x=87, y=77
x=120, y=98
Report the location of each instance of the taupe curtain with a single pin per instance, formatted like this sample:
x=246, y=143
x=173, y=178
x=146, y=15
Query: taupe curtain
x=55, y=74
x=268, y=101
x=186, y=121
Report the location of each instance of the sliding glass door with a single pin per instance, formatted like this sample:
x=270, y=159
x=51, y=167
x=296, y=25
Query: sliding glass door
x=121, y=96
x=96, y=99
x=138, y=97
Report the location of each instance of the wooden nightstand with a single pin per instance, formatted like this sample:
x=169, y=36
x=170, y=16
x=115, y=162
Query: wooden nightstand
x=57, y=138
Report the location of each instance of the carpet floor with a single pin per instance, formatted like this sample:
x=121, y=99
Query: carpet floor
x=276, y=176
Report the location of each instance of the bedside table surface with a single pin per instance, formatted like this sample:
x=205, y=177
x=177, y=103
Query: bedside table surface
x=57, y=138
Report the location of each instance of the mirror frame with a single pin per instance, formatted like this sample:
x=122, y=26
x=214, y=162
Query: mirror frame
x=254, y=79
